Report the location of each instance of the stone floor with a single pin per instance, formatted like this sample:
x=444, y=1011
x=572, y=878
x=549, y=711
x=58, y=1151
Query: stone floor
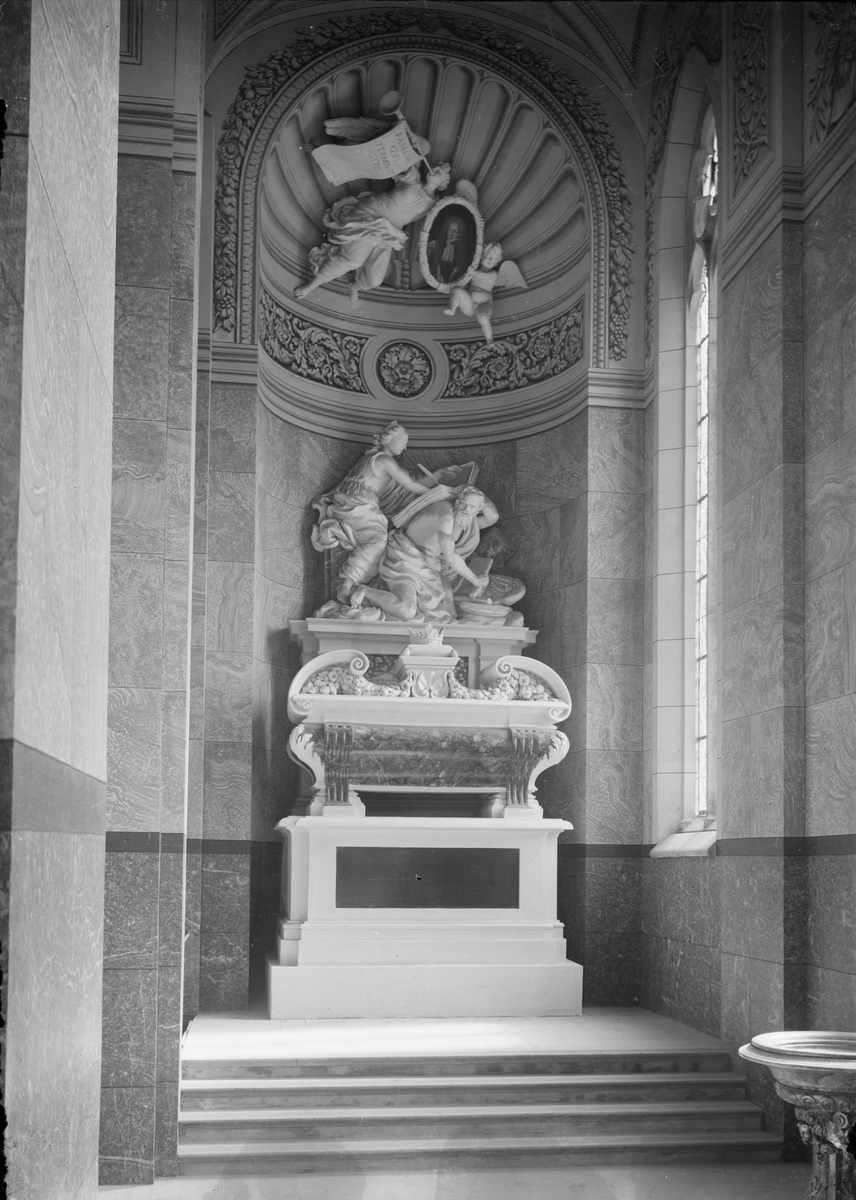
x=771, y=1181
x=241, y=1035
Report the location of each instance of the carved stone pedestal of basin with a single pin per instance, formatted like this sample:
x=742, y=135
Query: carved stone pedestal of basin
x=816, y=1072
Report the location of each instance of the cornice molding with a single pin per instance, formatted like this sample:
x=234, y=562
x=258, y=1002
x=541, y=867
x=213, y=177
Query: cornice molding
x=150, y=128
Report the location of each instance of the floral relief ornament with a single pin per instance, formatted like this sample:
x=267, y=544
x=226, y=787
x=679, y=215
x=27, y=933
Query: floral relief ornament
x=311, y=351
x=404, y=369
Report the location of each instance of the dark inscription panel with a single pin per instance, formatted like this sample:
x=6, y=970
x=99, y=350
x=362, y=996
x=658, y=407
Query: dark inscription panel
x=426, y=877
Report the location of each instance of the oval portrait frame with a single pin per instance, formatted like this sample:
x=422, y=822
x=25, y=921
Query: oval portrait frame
x=436, y=222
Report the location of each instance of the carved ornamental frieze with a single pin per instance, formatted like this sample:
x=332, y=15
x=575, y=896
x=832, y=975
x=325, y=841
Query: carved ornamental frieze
x=476, y=369
x=310, y=350
x=751, y=99
x=832, y=87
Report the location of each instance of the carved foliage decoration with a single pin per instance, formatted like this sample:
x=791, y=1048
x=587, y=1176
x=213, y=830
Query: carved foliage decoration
x=311, y=351
x=695, y=23
x=832, y=88
x=751, y=101
x=558, y=93
x=404, y=369
x=480, y=369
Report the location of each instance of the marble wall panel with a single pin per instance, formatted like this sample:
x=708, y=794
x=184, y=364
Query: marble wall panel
x=73, y=95
x=277, y=456
x=753, y=1001
x=276, y=785
x=233, y=432
x=129, y=1038
x=182, y=248
x=830, y=635
x=231, y=516
x=752, y=421
x=228, y=790
x=133, y=758
x=270, y=696
x=766, y=292
x=762, y=536
x=615, y=450
x=282, y=541
x=552, y=467
x=830, y=999
x=136, y=620
x=824, y=381
x=276, y=605
x=181, y=347
x=577, y=682
x=752, y=920
x=681, y=980
x=62, y=519
x=196, y=695
x=178, y=500
x=131, y=886
x=228, y=696
x=229, y=606
x=168, y=1022
x=200, y=464
x=141, y=353
x=174, y=645
x=762, y=653
x=145, y=202
x=613, y=797
x=735, y=341
x=830, y=767
x=545, y=613
x=612, y=973
x=52, y=998
x=195, y=784
x=127, y=1135
x=198, y=600
x=496, y=464
x=830, y=252
x=763, y=773
x=681, y=899
x=192, y=917
x=612, y=895
x=324, y=462
x=830, y=507
x=224, y=932
x=166, y=1130
x=139, y=486
x=615, y=539
x=831, y=922
x=614, y=620
x=561, y=792
x=544, y=546
x=169, y=909
x=265, y=875
x=613, y=715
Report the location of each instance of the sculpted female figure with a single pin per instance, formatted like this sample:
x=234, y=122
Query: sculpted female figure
x=364, y=230
x=353, y=514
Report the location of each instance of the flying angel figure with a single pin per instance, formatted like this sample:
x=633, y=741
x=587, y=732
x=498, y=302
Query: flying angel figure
x=476, y=299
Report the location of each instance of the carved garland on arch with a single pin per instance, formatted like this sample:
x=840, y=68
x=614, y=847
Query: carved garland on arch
x=271, y=87
x=477, y=368
x=309, y=350
x=751, y=103
x=832, y=87
x=697, y=23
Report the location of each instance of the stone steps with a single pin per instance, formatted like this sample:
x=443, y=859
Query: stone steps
x=296, y=1115
x=206, y=1094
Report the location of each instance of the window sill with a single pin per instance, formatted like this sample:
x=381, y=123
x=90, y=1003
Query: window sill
x=695, y=839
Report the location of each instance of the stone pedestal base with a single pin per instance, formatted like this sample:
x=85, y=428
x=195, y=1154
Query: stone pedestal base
x=451, y=990
x=431, y=917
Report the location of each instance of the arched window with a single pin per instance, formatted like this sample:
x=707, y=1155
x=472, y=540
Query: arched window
x=685, y=684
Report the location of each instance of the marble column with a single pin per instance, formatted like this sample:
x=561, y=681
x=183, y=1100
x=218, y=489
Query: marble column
x=57, y=213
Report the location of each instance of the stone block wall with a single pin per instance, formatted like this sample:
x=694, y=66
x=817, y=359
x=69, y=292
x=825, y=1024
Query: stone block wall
x=57, y=214
x=150, y=587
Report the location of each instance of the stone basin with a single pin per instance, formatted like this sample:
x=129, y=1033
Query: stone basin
x=816, y=1072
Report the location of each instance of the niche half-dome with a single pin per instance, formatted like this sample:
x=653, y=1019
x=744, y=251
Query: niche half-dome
x=342, y=369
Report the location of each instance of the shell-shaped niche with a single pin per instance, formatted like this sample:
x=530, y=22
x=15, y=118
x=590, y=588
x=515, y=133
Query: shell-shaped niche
x=396, y=351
